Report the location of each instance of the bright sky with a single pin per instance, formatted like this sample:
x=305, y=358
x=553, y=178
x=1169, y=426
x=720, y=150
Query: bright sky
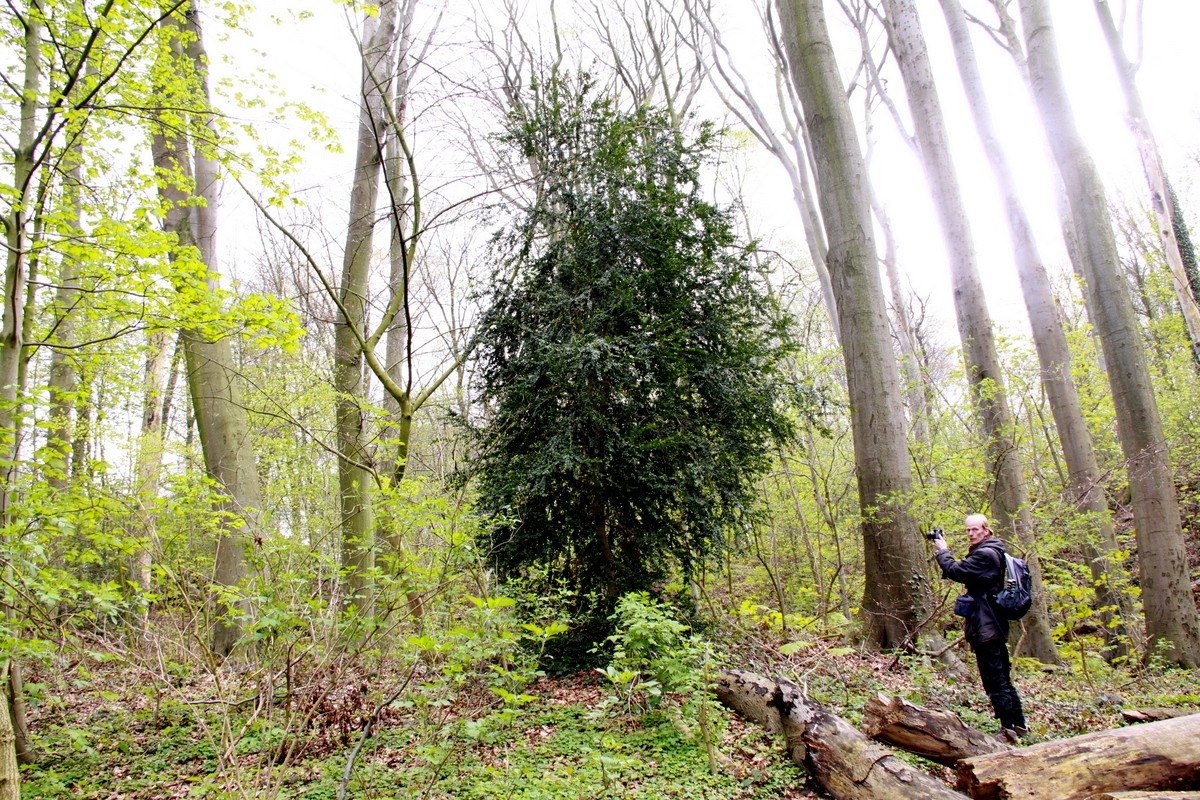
x=316, y=58
x=1172, y=103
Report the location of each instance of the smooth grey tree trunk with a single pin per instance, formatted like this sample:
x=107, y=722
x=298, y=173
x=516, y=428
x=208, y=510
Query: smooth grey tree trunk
x=897, y=590
x=212, y=379
x=148, y=461
x=1161, y=199
x=63, y=379
x=401, y=255
x=355, y=474
x=789, y=145
x=18, y=238
x=1010, y=496
x=1166, y=589
x=1085, y=482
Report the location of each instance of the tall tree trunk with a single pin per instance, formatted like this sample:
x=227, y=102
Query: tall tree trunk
x=1166, y=596
x=212, y=380
x=354, y=471
x=12, y=343
x=1010, y=502
x=1085, y=487
x=1161, y=198
x=897, y=591
x=401, y=252
x=63, y=379
x=148, y=462
x=789, y=143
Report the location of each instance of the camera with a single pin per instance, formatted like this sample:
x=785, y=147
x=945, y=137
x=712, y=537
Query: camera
x=934, y=534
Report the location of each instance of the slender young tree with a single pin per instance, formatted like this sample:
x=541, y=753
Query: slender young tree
x=1166, y=597
x=355, y=474
x=897, y=591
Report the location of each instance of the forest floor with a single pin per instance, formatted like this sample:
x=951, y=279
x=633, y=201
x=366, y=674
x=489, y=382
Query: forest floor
x=112, y=731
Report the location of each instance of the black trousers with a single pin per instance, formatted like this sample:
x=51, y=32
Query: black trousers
x=994, y=669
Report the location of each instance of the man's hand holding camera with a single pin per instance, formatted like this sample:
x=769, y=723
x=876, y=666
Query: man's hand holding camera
x=939, y=541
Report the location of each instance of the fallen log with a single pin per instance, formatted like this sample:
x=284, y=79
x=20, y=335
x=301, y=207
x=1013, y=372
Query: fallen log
x=937, y=735
x=1154, y=714
x=1156, y=756
x=840, y=758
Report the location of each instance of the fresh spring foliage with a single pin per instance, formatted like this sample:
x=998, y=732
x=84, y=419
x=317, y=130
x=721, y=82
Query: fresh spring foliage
x=631, y=369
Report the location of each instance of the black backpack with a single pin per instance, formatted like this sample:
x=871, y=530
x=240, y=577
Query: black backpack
x=1016, y=596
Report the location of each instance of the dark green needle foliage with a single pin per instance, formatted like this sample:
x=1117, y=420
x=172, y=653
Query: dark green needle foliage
x=631, y=371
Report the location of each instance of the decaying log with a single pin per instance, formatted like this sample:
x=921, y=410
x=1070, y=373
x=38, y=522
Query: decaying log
x=1146, y=796
x=844, y=762
x=1158, y=756
x=1154, y=714
x=936, y=735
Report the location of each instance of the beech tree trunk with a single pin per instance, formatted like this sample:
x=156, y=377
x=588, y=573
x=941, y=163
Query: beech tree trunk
x=1156, y=179
x=1169, y=608
x=1010, y=497
x=212, y=380
x=148, y=462
x=897, y=589
x=355, y=476
x=18, y=228
x=1154, y=756
x=1086, y=488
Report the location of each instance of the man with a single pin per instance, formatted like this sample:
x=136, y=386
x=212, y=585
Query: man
x=982, y=573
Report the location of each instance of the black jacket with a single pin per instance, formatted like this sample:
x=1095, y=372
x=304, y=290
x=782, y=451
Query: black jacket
x=982, y=573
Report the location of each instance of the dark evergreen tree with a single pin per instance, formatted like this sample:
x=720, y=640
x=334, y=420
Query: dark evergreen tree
x=630, y=363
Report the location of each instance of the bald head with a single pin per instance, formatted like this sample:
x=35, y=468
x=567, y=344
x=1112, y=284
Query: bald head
x=978, y=528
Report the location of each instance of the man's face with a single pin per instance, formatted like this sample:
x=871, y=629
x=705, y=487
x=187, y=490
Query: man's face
x=977, y=530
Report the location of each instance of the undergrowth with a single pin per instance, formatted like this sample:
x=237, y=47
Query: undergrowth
x=479, y=721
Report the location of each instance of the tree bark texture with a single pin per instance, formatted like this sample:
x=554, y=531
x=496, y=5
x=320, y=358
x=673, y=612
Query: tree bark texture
x=355, y=476
x=1156, y=179
x=1155, y=756
x=1010, y=497
x=936, y=735
x=897, y=587
x=1169, y=609
x=843, y=761
x=1155, y=714
x=10, y=775
x=18, y=224
x=1086, y=485
x=1146, y=796
x=212, y=380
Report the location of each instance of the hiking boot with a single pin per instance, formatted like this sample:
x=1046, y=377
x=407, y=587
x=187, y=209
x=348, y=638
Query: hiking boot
x=1013, y=735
